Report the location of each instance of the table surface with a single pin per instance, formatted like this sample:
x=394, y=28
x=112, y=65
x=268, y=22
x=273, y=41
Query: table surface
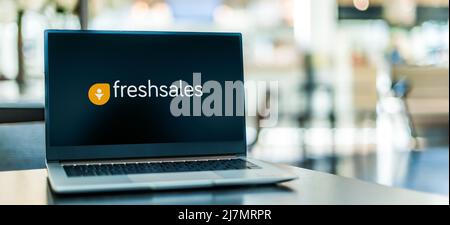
x=22, y=156
x=22, y=146
x=312, y=187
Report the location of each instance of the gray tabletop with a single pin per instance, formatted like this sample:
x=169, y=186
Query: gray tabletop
x=22, y=145
x=31, y=187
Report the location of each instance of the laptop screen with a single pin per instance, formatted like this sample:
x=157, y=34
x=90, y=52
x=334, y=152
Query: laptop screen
x=140, y=88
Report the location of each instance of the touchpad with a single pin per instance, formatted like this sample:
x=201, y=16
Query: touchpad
x=180, y=176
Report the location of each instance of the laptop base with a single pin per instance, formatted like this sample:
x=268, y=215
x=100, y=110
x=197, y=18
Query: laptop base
x=265, y=174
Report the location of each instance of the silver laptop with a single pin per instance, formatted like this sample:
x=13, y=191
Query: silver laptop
x=147, y=111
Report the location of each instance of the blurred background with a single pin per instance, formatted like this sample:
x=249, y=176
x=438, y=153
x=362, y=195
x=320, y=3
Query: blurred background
x=363, y=84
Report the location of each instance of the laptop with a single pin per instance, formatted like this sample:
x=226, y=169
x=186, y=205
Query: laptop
x=147, y=111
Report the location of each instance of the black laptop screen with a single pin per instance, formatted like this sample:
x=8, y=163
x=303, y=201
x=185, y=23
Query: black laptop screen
x=119, y=88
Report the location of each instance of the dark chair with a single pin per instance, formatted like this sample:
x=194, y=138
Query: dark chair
x=21, y=112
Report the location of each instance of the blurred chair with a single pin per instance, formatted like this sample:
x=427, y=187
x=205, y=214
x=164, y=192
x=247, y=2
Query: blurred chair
x=428, y=97
x=13, y=113
x=425, y=93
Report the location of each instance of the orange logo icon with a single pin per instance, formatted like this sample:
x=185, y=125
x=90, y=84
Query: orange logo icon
x=99, y=93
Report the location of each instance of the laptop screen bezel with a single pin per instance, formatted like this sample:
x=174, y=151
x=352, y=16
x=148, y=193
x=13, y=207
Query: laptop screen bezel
x=150, y=150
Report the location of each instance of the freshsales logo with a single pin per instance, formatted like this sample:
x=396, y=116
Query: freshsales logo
x=99, y=93
x=208, y=98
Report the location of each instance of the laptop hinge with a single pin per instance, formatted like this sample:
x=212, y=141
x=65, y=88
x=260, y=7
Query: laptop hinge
x=138, y=160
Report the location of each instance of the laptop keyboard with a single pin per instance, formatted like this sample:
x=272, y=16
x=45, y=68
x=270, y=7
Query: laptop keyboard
x=156, y=167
